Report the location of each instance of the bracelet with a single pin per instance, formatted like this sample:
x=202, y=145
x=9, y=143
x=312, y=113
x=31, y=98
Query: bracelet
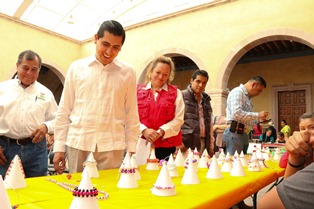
x=296, y=166
x=152, y=160
x=85, y=192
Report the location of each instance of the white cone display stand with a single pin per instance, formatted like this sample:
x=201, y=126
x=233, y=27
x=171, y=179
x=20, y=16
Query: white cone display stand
x=221, y=157
x=172, y=168
x=214, y=171
x=15, y=176
x=91, y=165
x=84, y=202
x=277, y=155
x=190, y=174
x=243, y=159
x=266, y=153
x=126, y=158
x=254, y=166
x=227, y=165
x=260, y=158
x=196, y=154
x=152, y=161
x=204, y=161
x=4, y=198
x=134, y=165
x=179, y=160
x=237, y=168
x=236, y=154
x=164, y=185
x=254, y=156
x=127, y=179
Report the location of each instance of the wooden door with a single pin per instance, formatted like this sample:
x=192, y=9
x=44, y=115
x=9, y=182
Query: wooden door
x=291, y=105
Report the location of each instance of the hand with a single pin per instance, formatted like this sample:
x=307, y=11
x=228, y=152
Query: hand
x=39, y=133
x=263, y=115
x=183, y=148
x=298, y=144
x=59, y=162
x=3, y=159
x=151, y=135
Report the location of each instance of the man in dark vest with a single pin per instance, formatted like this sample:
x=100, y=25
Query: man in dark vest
x=196, y=130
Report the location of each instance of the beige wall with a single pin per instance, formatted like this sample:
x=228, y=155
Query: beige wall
x=53, y=50
x=215, y=38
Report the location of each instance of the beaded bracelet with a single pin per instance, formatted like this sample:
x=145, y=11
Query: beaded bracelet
x=166, y=187
x=125, y=170
x=296, y=166
x=85, y=192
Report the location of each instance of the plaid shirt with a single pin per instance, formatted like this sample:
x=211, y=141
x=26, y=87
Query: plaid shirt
x=240, y=107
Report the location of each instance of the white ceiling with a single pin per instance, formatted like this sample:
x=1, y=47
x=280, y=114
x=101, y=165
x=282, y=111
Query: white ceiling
x=80, y=19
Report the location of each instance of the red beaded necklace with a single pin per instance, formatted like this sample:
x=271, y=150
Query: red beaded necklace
x=81, y=192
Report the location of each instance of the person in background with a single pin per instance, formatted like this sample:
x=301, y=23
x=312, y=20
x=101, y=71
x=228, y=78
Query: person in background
x=296, y=190
x=27, y=112
x=197, y=131
x=285, y=129
x=240, y=115
x=280, y=138
x=98, y=107
x=219, y=126
x=257, y=130
x=267, y=136
x=241, y=118
x=273, y=129
x=161, y=108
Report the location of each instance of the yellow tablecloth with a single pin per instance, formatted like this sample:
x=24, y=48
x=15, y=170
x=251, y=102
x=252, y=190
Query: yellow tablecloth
x=222, y=193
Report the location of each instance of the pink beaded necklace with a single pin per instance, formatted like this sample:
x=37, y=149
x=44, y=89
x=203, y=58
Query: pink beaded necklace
x=81, y=192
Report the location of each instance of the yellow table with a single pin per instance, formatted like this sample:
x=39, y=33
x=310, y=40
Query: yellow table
x=222, y=193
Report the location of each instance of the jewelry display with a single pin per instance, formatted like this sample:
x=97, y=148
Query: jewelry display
x=81, y=192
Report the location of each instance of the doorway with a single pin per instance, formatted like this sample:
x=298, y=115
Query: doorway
x=290, y=103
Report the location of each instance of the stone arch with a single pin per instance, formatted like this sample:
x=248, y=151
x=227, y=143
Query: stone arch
x=261, y=37
x=220, y=95
x=171, y=52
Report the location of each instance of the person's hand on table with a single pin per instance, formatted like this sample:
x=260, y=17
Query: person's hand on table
x=59, y=162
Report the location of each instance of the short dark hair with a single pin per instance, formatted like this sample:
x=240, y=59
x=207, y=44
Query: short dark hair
x=113, y=27
x=199, y=72
x=28, y=55
x=284, y=121
x=260, y=80
x=281, y=134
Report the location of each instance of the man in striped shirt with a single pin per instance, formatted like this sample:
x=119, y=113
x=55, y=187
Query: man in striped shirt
x=240, y=115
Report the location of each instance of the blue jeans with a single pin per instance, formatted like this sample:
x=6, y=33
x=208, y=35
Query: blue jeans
x=34, y=157
x=235, y=142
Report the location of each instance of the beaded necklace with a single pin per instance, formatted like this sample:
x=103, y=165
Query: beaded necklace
x=81, y=192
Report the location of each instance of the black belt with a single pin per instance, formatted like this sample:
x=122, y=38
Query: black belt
x=17, y=141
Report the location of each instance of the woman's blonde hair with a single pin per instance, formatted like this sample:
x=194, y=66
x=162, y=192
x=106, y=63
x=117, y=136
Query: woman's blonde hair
x=153, y=64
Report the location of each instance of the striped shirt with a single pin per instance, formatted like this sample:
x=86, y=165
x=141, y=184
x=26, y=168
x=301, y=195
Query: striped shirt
x=240, y=107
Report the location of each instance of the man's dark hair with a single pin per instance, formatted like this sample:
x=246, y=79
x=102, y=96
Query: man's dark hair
x=260, y=80
x=28, y=55
x=112, y=27
x=199, y=72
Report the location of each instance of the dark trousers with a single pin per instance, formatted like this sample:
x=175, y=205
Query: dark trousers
x=163, y=153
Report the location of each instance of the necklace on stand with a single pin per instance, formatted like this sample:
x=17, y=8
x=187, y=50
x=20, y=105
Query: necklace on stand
x=81, y=192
